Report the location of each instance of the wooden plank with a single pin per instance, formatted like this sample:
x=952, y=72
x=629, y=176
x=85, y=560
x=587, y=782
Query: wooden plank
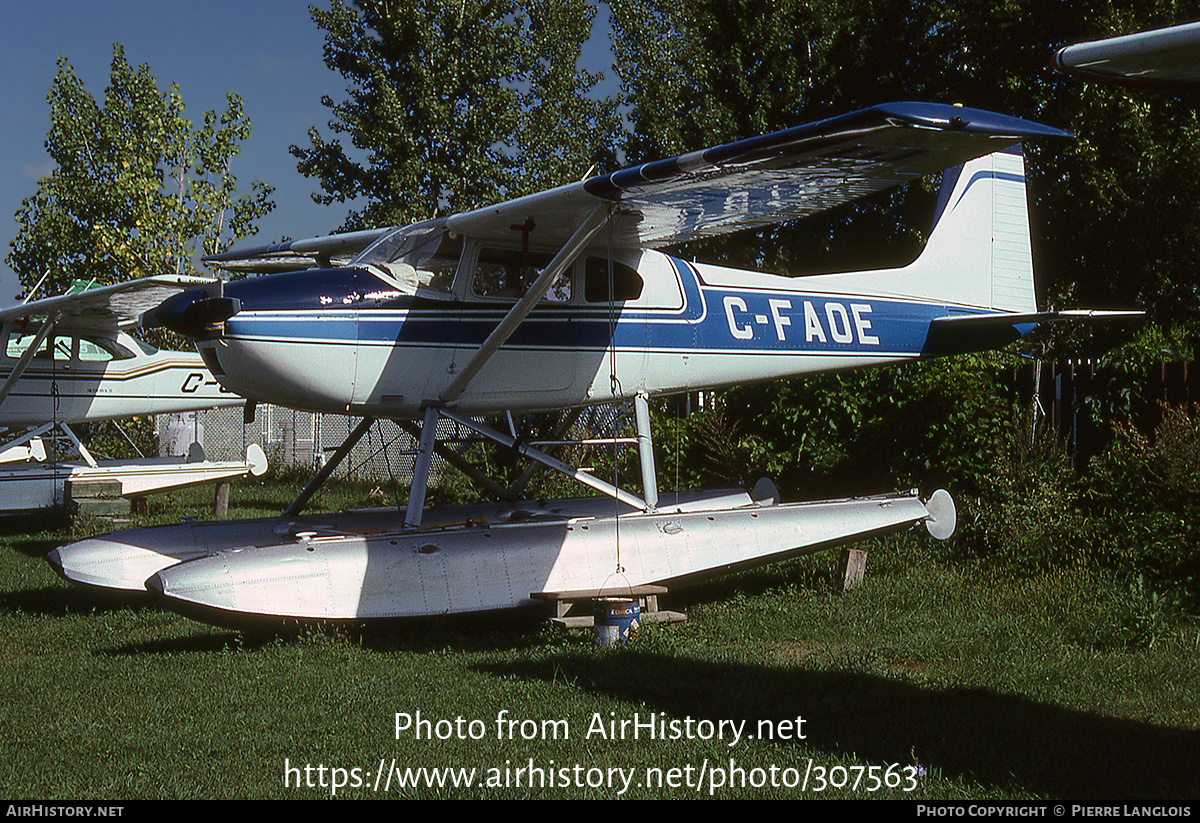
x=586, y=621
x=587, y=594
x=647, y=596
x=221, y=500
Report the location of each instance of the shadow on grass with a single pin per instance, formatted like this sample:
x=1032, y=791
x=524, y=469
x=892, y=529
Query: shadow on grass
x=36, y=548
x=455, y=633
x=214, y=640
x=975, y=735
x=53, y=601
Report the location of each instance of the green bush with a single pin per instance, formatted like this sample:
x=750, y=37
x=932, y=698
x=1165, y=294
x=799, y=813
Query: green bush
x=927, y=424
x=1026, y=514
x=1125, y=394
x=1109, y=613
x=1145, y=494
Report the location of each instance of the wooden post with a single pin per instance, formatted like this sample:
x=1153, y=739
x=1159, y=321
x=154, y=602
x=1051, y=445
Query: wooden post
x=852, y=568
x=221, y=500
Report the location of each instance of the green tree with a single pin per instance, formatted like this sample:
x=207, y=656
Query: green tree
x=454, y=104
x=701, y=74
x=139, y=189
x=1117, y=212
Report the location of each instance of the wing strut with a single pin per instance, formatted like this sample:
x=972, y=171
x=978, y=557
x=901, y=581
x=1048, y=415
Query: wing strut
x=416, y=492
x=565, y=257
x=457, y=461
x=536, y=454
x=560, y=430
x=641, y=408
x=416, y=495
x=27, y=436
x=83, y=452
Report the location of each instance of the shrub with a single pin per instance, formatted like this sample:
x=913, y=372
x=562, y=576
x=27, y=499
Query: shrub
x=1145, y=493
x=1027, y=514
x=925, y=424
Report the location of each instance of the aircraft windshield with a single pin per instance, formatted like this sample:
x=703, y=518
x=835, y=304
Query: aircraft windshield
x=415, y=257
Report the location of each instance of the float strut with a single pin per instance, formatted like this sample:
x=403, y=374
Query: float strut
x=320, y=477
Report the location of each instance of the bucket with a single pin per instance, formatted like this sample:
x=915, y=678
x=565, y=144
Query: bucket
x=617, y=619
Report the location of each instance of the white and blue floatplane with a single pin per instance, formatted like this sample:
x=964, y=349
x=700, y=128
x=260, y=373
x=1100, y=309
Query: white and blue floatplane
x=562, y=300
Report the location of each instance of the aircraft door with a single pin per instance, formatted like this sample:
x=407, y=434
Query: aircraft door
x=539, y=361
x=49, y=388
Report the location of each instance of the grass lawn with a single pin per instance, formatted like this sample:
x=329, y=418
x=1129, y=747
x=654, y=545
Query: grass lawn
x=935, y=680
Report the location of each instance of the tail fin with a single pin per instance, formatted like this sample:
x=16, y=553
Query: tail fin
x=978, y=253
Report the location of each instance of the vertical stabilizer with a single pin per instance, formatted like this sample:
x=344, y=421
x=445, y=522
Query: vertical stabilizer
x=978, y=253
x=979, y=250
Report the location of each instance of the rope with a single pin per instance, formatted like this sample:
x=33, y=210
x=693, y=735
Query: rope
x=615, y=386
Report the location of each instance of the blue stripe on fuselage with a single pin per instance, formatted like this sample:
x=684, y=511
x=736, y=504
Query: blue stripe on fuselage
x=330, y=306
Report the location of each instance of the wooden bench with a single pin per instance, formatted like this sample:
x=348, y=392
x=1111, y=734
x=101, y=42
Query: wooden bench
x=647, y=597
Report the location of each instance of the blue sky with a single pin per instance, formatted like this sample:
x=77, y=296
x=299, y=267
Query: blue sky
x=268, y=51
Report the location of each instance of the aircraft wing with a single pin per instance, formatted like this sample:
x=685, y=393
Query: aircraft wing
x=761, y=181
x=1158, y=57
x=293, y=255
x=754, y=182
x=105, y=308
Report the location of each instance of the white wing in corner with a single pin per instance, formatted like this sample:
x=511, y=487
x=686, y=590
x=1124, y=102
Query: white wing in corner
x=1167, y=56
x=105, y=308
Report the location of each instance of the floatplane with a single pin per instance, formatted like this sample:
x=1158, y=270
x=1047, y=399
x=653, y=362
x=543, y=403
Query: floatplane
x=69, y=359
x=562, y=300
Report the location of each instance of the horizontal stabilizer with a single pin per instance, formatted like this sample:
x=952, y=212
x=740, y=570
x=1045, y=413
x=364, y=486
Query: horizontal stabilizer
x=1012, y=319
x=958, y=334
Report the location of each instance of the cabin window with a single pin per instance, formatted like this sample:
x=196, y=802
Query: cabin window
x=53, y=347
x=92, y=352
x=63, y=348
x=146, y=348
x=16, y=344
x=626, y=282
x=508, y=273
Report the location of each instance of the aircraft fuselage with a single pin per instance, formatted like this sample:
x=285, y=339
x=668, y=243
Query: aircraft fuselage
x=342, y=340
x=80, y=376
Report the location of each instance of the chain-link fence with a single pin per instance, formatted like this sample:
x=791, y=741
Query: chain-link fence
x=305, y=440
x=293, y=439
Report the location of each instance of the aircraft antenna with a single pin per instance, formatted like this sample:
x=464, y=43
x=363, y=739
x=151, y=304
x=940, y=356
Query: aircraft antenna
x=33, y=291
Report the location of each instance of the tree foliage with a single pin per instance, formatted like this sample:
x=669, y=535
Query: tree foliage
x=1116, y=224
x=453, y=104
x=139, y=189
x=1116, y=212
x=921, y=425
